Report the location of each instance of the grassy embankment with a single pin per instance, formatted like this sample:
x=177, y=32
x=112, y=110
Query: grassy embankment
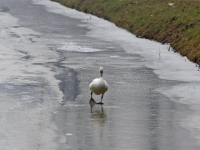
x=176, y=22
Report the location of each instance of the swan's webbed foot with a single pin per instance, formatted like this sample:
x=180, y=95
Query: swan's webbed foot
x=99, y=103
x=92, y=102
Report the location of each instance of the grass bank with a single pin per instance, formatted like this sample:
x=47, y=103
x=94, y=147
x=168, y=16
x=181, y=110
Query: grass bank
x=167, y=21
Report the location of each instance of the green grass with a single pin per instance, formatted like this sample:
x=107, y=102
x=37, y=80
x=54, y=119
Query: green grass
x=178, y=24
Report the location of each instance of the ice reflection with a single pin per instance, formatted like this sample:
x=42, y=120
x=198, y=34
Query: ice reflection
x=153, y=125
x=99, y=115
x=98, y=120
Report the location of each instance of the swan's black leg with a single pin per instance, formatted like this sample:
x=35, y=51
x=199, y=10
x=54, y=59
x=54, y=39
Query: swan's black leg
x=92, y=102
x=101, y=97
x=100, y=103
x=91, y=94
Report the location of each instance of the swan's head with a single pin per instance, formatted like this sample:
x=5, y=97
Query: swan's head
x=101, y=71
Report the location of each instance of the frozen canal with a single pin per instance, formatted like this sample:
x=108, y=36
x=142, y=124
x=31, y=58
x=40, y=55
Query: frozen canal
x=49, y=55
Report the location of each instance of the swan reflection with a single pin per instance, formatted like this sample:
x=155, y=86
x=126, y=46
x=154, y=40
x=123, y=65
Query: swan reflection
x=98, y=114
x=98, y=120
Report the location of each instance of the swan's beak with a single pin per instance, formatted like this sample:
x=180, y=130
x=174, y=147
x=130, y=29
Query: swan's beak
x=101, y=72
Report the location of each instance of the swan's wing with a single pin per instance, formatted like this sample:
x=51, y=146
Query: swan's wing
x=106, y=85
x=94, y=83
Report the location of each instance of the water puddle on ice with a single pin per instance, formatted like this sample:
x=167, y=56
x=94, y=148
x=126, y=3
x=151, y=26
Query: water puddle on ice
x=73, y=47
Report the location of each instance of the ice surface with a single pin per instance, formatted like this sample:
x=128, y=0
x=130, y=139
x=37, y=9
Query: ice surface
x=18, y=78
x=166, y=63
x=15, y=51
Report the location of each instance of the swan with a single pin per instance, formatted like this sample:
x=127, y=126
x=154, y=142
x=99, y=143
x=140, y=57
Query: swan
x=98, y=86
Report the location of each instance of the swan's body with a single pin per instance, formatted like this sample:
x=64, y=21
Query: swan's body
x=98, y=86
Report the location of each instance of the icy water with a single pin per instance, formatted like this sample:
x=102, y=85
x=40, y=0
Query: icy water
x=49, y=55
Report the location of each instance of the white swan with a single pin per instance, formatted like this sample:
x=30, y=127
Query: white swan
x=98, y=86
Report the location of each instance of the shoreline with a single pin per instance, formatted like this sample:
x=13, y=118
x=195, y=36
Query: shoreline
x=160, y=21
